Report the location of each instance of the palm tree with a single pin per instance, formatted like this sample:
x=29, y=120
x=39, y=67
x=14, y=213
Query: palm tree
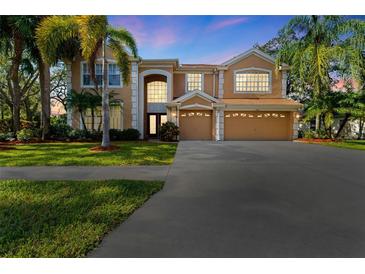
x=93, y=33
x=319, y=46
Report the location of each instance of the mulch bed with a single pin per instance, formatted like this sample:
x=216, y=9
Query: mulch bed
x=315, y=140
x=101, y=149
x=2, y=147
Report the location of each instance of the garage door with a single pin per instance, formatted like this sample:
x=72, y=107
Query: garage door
x=256, y=125
x=195, y=125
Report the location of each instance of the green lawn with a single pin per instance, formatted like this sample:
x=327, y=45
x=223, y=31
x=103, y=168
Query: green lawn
x=67, y=154
x=64, y=218
x=352, y=144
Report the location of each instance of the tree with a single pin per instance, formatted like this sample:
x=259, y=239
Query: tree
x=91, y=34
x=321, y=43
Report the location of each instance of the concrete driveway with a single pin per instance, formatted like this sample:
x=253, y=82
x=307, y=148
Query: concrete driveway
x=251, y=199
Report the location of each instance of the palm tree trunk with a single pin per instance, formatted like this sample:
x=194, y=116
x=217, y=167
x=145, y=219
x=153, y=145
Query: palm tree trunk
x=361, y=128
x=105, y=102
x=69, y=88
x=44, y=80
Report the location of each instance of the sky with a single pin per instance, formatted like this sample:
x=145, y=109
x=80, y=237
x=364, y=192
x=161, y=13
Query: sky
x=199, y=39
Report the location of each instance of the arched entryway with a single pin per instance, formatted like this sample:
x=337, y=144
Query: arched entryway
x=155, y=93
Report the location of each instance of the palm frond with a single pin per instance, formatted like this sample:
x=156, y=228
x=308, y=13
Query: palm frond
x=122, y=58
x=124, y=37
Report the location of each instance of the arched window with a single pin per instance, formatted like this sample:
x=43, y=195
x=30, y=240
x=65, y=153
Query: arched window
x=157, y=92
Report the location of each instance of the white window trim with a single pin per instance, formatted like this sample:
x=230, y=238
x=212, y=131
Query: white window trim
x=121, y=81
x=98, y=62
x=253, y=69
x=186, y=81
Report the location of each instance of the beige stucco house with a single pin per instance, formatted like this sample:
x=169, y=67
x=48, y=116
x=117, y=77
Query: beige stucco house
x=243, y=98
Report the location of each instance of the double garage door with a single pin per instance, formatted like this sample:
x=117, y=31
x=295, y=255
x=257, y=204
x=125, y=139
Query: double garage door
x=256, y=125
x=238, y=125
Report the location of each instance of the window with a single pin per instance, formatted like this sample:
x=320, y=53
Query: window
x=157, y=92
x=86, y=77
x=113, y=75
x=255, y=82
x=194, y=81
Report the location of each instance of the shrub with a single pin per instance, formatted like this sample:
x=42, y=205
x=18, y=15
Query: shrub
x=59, y=127
x=309, y=134
x=5, y=125
x=130, y=134
x=5, y=137
x=169, y=132
x=25, y=135
x=77, y=134
x=115, y=134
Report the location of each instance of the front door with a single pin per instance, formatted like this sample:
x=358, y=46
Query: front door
x=155, y=120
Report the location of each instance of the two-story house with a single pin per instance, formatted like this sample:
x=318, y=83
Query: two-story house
x=243, y=98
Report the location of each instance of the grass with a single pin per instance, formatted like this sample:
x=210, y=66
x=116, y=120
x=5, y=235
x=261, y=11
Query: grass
x=78, y=154
x=351, y=144
x=64, y=218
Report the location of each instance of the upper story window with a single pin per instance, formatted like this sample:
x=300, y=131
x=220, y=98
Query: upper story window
x=253, y=81
x=86, y=77
x=113, y=75
x=194, y=81
x=157, y=92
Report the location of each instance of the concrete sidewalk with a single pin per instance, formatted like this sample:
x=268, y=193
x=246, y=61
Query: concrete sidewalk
x=85, y=172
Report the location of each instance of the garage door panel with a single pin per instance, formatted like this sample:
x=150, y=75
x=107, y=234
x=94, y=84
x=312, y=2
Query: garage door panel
x=195, y=124
x=256, y=125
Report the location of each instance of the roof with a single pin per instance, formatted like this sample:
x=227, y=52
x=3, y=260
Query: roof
x=191, y=94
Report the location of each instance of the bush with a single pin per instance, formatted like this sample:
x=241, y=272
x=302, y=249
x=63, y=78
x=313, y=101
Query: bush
x=25, y=135
x=5, y=136
x=5, y=125
x=169, y=132
x=309, y=134
x=129, y=134
x=77, y=134
x=59, y=127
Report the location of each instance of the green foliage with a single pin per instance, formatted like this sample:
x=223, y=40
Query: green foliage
x=130, y=134
x=169, y=132
x=65, y=218
x=79, y=154
x=59, y=128
x=25, y=135
x=309, y=134
x=5, y=137
x=5, y=125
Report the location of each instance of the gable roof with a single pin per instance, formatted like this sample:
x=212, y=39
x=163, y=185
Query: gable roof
x=250, y=52
x=192, y=94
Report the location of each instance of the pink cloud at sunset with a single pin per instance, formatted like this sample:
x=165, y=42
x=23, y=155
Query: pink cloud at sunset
x=227, y=23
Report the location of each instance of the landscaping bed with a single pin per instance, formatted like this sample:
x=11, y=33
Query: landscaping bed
x=349, y=144
x=64, y=218
x=79, y=154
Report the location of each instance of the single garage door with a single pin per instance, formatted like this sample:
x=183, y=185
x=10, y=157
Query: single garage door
x=256, y=125
x=195, y=124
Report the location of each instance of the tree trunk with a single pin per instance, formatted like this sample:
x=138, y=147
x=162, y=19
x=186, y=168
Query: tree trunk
x=361, y=128
x=44, y=81
x=69, y=90
x=318, y=122
x=342, y=125
x=82, y=119
x=14, y=80
x=105, y=102
x=92, y=119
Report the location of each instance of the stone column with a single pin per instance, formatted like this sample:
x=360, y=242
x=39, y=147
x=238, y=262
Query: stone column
x=283, y=83
x=219, y=124
x=134, y=99
x=220, y=84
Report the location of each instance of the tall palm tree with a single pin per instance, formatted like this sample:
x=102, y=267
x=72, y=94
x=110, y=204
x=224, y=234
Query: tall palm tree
x=318, y=47
x=92, y=33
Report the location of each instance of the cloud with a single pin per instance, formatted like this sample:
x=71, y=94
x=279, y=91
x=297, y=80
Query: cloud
x=227, y=23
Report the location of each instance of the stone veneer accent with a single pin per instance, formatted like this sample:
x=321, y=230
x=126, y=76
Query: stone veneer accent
x=219, y=124
x=220, y=84
x=295, y=126
x=283, y=84
x=134, y=99
x=69, y=88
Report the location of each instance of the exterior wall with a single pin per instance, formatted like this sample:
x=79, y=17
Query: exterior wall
x=123, y=94
x=179, y=85
x=248, y=62
x=208, y=84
